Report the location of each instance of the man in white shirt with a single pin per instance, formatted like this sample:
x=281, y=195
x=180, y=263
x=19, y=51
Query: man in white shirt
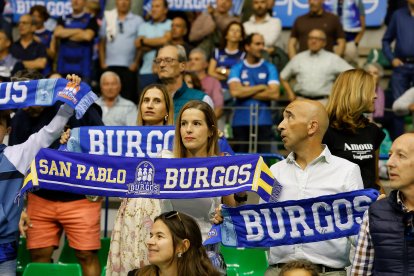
x=116, y=110
x=315, y=70
x=261, y=22
x=310, y=170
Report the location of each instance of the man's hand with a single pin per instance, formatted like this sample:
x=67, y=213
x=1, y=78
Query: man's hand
x=74, y=78
x=218, y=217
x=396, y=62
x=24, y=223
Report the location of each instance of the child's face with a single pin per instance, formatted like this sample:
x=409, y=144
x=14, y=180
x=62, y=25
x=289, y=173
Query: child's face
x=297, y=272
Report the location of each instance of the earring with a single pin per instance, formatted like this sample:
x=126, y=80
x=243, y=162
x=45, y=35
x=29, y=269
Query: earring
x=179, y=255
x=166, y=117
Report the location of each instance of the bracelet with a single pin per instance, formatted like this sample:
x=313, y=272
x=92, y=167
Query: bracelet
x=240, y=199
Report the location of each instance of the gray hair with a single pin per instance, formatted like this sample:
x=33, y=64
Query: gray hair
x=200, y=51
x=110, y=73
x=376, y=65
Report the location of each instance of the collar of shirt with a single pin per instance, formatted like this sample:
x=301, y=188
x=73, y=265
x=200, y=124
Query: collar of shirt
x=325, y=156
x=317, y=54
x=127, y=17
x=253, y=65
x=102, y=103
x=400, y=201
x=266, y=19
x=316, y=14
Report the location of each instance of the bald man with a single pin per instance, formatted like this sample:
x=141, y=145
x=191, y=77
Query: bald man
x=386, y=239
x=310, y=170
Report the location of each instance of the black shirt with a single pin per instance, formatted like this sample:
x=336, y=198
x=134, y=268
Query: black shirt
x=359, y=148
x=33, y=51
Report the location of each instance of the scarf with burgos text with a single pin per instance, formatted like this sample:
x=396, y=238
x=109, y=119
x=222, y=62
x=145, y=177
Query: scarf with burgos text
x=162, y=178
x=46, y=92
x=294, y=221
x=128, y=141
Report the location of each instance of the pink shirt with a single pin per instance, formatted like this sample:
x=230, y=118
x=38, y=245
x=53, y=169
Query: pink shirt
x=212, y=87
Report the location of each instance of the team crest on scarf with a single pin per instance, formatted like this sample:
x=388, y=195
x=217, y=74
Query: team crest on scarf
x=144, y=180
x=69, y=92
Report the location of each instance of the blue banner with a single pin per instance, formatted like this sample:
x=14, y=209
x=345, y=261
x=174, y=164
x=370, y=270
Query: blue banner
x=56, y=8
x=194, y=5
x=288, y=10
x=148, y=177
x=129, y=141
x=46, y=92
x=295, y=222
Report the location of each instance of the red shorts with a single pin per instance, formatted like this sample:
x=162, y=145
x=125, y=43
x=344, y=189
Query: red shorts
x=80, y=219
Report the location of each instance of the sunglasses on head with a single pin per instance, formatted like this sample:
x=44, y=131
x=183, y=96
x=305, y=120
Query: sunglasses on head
x=173, y=214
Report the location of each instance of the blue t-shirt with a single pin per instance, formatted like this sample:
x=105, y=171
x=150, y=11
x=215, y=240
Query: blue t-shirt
x=251, y=75
x=226, y=59
x=46, y=38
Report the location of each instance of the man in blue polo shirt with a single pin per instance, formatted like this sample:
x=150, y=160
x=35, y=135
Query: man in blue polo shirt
x=253, y=82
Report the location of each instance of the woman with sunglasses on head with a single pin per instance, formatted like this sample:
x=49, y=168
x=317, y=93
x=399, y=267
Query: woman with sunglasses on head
x=135, y=215
x=175, y=248
x=350, y=134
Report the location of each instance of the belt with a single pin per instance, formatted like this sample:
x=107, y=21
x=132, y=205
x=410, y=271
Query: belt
x=319, y=267
x=321, y=97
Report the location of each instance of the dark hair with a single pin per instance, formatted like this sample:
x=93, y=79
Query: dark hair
x=249, y=38
x=8, y=37
x=41, y=10
x=5, y=117
x=27, y=74
x=194, y=262
x=169, y=105
x=196, y=81
x=299, y=264
x=223, y=41
x=180, y=150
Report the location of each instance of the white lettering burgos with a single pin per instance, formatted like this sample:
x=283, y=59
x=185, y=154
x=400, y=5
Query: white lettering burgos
x=19, y=96
x=296, y=216
x=220, y=176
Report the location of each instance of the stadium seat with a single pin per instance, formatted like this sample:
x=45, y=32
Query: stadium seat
x=244, y=261
x=42, y=269
x=23, y=257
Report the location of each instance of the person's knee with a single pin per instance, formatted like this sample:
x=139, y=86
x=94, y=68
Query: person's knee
x=41, y=254
x=86, y=256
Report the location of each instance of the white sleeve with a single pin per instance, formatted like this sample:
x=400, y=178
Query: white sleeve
x=400, y=106
x=207, y=99
x=354, y=178
x=23, y=154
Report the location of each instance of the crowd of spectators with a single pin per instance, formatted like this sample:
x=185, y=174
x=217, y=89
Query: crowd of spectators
x=236, y=67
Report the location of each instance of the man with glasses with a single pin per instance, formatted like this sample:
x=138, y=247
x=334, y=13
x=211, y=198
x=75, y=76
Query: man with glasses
x=118, y=33
x=31, y=53
x=386, y=239
x=170, y=66
x=315, y=70
x=317, y=18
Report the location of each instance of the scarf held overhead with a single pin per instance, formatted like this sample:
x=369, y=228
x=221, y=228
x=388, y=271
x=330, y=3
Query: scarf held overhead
x=149, y=177
x=46, y=92
x=295, y=222
x=128, y=141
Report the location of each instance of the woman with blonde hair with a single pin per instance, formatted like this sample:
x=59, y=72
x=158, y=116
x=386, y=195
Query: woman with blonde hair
x=350, y=134
x=136, y=215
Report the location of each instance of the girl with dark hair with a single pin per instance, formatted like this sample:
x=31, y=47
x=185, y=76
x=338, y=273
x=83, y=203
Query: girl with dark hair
x=175, y=248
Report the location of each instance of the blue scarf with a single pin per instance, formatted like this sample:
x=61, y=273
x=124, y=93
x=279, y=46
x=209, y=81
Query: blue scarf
x=46, y=92
x=149, y=177
x=294, y=221
x=132, y=141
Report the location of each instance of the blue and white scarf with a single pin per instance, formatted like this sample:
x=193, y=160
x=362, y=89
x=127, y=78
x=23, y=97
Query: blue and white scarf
x=161, y=178
x=293, y=222
x=129, y=141
x=46, y=92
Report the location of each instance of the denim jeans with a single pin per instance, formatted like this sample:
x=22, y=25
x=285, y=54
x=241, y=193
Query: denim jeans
x=8, y=268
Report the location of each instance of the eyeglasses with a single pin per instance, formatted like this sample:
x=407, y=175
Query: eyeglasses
x=409, y=226
x=173, y=214
x=121, y=27
x=167, y=60
x=316, y=38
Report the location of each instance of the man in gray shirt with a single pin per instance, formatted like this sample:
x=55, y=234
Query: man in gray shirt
x=315, y=70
